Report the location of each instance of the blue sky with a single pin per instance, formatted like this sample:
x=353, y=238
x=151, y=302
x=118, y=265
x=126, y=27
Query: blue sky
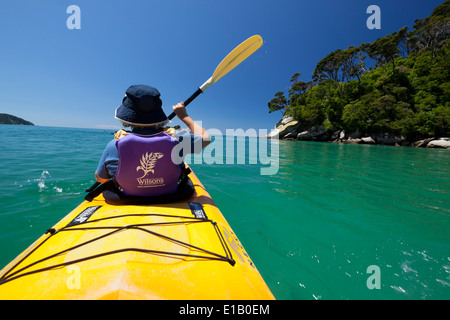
x=53, y=76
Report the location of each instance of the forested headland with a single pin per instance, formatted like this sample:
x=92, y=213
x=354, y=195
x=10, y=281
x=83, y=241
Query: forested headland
x=396, y=86
x=10, y=119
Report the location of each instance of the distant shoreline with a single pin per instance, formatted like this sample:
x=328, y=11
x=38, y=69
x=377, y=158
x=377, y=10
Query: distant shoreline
x=10, y=119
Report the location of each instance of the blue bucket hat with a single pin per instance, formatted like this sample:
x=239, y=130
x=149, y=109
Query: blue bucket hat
x=141, y=106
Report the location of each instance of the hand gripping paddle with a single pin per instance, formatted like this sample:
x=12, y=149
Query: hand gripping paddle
x=235, y=57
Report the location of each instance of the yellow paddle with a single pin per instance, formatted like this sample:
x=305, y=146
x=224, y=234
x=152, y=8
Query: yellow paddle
x=235, y=57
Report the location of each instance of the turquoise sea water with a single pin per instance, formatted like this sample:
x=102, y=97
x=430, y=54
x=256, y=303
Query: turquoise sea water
x=314, y=230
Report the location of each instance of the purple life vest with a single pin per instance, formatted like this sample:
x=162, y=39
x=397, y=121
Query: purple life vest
x=145, y=165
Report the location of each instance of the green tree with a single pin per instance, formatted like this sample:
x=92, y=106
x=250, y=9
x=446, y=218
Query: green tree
x=432, y=33
x=353, y=65
x=328, y=67
x=278, y=103
x=384, y=50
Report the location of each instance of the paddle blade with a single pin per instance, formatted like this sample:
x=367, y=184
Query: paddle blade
x=235, y=57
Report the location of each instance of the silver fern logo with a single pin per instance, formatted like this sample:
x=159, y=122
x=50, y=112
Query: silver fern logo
x=148, y=162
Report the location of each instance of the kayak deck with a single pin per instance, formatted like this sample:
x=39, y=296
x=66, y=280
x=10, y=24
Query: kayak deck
x=183, y=250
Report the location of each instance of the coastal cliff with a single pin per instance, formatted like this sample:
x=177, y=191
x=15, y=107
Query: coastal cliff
x=10, y=119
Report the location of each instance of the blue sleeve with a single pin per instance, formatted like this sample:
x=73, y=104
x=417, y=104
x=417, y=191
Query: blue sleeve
x=109, y=161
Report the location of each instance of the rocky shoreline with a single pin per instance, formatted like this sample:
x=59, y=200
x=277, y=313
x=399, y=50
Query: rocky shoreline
x=289, y=129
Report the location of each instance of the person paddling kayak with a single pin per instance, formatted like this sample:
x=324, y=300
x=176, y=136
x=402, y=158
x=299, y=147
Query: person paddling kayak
x=141, y=160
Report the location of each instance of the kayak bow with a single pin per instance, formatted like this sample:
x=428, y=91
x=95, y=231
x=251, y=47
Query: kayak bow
x=183, y=250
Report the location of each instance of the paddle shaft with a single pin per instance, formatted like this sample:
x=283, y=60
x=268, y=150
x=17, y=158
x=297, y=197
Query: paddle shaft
x=189, y=100
x=94, y=186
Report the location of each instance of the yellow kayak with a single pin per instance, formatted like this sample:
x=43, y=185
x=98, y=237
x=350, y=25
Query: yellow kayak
x=182, y=250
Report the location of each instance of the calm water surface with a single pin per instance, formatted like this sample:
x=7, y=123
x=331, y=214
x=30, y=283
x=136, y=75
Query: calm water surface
x=313, y=230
